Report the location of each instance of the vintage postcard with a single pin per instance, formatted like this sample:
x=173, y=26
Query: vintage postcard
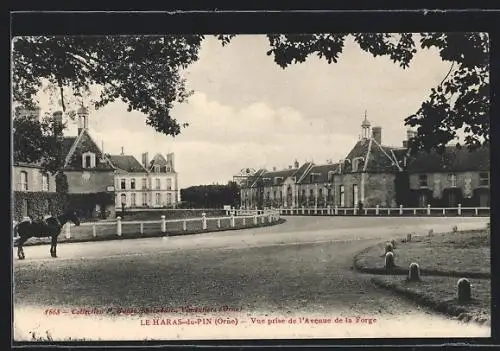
x=271, y=186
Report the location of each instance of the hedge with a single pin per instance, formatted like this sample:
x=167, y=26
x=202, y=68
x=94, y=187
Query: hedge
x=39, y=204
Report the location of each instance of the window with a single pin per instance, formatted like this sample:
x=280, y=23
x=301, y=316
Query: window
x=24, y=180
x=132, y=200
x=329, y=194
x=320, y=195
x=452, y=178
x=157, y=183
x=422, y=180
x=169, y=199
x=88, y=160
x=169, y=169
x=132, y=183
x=169, y=184
x=268, y=194
x=144, y=199
x=274, y=194
x=356, y=162
x=157, y=169
x=330, y=176
x=144, y=183
x=484, y=179
x=45, y=182
x=157, y=200
x=124, y=199
x=355, y=199
x=342, y=196
x=123, y=183
x=311, y=193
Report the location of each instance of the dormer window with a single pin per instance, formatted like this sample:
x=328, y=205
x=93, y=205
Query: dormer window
x=277, y=180
x=356, y=162
x=156, y=169
x=88, y=160
x=330, y=176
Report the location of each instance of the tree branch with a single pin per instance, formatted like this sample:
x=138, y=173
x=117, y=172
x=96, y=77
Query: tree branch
x=451, y=68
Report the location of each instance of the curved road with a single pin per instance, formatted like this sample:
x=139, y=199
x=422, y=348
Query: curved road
x=278, y=275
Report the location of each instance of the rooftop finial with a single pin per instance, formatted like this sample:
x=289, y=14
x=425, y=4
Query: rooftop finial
x=365, y=128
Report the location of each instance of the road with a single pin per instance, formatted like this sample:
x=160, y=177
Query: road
x=277, y=275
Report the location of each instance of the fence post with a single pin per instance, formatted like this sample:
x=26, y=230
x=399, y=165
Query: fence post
x=68, y=231
x=459, y=209
x=232, y=221
x=476, y=211
x=218, y=222
x=142, y=228
x=244, y=221
x=429, y=209
x=263, y=219
x=388, y=211
x=377, y=210
x=366, y=211
x=303, y=210
x=414, y=211
x=255, y=219
x=328, y=210
x=444, y=211
x=270, y=217
x=203, y=221
x=355, y=210
x=93, y=231
x=336, y=210
x=119, y=226
x=163, y=224
x=184, y=225
x=400, y=210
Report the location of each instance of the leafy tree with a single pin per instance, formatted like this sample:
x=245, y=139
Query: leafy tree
x=38, y=141
x=211, y=196
x=459, y=103
x=145, y=73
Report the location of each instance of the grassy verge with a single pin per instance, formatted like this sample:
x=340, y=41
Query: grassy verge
x=85, y=234
x=439, y=293
x=459, y=254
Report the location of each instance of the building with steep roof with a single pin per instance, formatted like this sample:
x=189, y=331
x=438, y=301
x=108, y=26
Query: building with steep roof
x=150, y=184
x=374, y=174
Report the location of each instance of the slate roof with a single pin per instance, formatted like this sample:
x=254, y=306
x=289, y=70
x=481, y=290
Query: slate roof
x=376, y=158
x=81, y=144
x=127, y=163
x=158, y=160
x=268, y=177
x=322, y=173
x=452, y=160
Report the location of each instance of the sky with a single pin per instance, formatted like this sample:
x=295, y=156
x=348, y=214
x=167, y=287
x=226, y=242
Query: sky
x=247, y=112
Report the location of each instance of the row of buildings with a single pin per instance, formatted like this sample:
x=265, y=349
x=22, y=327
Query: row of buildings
x=95, y=182
x=375, y=174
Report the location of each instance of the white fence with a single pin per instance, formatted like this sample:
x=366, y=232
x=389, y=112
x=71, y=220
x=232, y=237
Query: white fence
x=120, y=227
x=388, y=211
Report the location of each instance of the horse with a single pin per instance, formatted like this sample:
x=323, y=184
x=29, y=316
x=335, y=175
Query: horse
x=50, y=227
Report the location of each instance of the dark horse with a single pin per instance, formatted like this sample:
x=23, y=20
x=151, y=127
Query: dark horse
x=50, y=227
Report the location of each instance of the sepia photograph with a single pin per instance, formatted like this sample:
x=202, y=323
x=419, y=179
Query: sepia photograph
x=250, y=186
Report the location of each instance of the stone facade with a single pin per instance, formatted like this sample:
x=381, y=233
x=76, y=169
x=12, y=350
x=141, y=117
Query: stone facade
x=369, y=176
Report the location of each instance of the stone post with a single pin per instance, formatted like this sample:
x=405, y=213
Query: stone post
x=119, y=226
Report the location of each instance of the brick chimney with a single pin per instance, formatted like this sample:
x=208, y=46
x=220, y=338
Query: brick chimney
x=145, y=160
x=122, y=151
x=274, y=169
x=377, y=134
x=296, y=164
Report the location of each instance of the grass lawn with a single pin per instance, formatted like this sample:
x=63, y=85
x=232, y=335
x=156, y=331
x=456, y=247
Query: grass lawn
x=440, y=293
x=459, y=252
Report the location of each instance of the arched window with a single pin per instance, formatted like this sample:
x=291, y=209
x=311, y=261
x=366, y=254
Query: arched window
x=23, y=182
x=124, y=199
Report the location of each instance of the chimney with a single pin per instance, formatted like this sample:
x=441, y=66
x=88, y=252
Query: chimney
x=83, y=119
x=296, y=164
x=145, y=160
x=170, y=161
x=274, y=169
x=58, y=122
x=377, y=134
x=122, y=151
x=290, y=167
